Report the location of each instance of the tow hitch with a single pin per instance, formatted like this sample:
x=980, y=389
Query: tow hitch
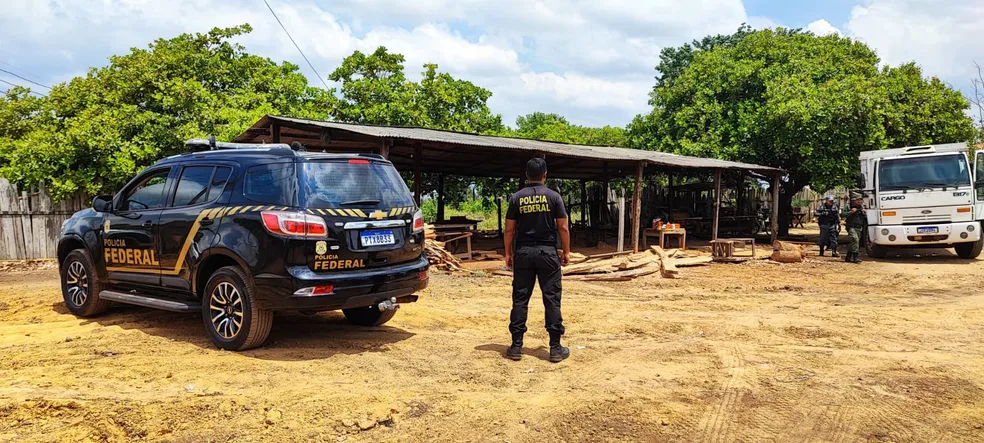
x=389, y=305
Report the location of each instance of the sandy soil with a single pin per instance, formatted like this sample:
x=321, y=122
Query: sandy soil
x=819, y=351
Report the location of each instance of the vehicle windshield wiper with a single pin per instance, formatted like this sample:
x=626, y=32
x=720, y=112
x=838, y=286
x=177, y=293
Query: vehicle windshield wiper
x=897, y=187
x=360, y=202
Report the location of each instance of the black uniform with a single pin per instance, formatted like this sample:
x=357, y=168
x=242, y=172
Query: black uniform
x=828, y=217
x=536, y=209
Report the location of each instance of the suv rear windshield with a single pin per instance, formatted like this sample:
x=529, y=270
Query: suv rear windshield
x=351, y=183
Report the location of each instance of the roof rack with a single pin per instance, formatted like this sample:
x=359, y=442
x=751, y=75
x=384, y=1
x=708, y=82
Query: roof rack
x=198, y=145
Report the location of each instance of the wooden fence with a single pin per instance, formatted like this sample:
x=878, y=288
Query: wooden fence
x=30, y=224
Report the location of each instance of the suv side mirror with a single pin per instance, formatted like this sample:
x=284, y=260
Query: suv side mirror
x=860, y=181
x=103, y=203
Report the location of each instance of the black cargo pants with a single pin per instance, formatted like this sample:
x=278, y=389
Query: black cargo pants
x=529, y=264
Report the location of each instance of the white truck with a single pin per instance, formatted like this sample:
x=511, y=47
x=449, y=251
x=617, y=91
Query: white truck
x=923, y=197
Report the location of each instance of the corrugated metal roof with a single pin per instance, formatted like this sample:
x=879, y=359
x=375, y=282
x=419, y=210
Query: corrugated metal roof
x=536, y=146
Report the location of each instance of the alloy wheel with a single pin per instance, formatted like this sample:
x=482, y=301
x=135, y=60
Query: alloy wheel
x=226, y=310
x=77, y=282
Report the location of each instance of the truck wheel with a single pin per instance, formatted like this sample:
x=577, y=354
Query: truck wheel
x=368, y=316
x=81, y=286
x=232, y=318
x=969, y=250
x=875, y=251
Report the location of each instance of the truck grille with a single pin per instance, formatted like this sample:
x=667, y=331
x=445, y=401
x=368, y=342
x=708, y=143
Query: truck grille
x=923, y=219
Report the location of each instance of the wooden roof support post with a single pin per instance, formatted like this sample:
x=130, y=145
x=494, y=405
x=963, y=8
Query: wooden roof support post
x=440, y=197
x=774, y=229
x=418, y=174
x=384, y=148
x=717, y=204
x=275, y=132
x=637, y=207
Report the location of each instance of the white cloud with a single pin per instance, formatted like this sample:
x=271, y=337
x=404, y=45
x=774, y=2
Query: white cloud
x=822, y=27
x=941, y=36
x=587, y=92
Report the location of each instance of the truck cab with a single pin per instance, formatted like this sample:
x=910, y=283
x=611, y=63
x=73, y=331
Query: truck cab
x=922, y=196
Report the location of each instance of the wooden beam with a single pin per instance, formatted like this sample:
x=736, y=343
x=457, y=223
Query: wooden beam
x=384, y=148
x=584, y=202
x=637, y=207
x=671, y=201
x=498, y=212
x=775, y=207
x=418, y=174
x=275, y=132
x=440, y=197
x=717, y=204
x=621, y=218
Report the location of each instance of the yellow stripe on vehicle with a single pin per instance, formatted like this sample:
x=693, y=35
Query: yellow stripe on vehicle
x=360, y=212
x=352, y=212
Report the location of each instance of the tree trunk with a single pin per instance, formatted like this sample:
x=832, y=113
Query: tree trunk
x=786, y=193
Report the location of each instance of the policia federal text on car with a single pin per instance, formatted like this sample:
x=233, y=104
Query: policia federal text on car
x=536, y=218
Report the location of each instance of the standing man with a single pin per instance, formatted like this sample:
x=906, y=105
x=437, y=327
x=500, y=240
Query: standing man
x=535, y=219
x=828, y=216
x=855, y=223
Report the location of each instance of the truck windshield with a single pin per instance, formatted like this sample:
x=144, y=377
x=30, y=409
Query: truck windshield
x=351, y=184
x=923, y=172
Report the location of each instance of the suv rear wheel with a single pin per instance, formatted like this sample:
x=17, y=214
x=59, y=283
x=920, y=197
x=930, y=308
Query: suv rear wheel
x=81, y=286
x=232, y=318
x=368, y=316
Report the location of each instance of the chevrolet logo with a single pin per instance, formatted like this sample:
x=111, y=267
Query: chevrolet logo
x=377, y=215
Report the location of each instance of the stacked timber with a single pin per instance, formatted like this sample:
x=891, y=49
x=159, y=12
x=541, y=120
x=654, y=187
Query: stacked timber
x=625, y=266
x=439, y=257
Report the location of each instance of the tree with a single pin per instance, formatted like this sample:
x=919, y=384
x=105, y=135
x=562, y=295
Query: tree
x=375, y=90
x=554, y=127
x=799, y=102
x=95, y=132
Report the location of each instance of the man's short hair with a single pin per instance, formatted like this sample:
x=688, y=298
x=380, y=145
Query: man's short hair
x=536, y=168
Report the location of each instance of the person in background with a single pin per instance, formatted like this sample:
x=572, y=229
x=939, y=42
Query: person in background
x=536, y=218
x=828, y=216
x=855, y=223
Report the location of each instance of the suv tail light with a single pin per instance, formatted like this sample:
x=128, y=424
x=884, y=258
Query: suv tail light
x=294, y=224
x=418, y=221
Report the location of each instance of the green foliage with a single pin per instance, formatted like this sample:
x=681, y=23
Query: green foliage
x=553, y=127
x=796, y=101
x=95, y=132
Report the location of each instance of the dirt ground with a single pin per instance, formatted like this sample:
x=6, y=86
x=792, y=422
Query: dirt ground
x=819, y=351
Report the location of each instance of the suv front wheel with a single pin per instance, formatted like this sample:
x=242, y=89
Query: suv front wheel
x=81, y=286
x=232, y=318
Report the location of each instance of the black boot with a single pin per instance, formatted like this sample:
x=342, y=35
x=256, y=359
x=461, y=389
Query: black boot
x=833, y=253
x=857, y=257
x=849, y=257
x=821, y=251
x=557, y=352
x=515, y=352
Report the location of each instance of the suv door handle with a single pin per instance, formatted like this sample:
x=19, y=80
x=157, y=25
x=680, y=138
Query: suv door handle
x=206, y=221
x=148, y=224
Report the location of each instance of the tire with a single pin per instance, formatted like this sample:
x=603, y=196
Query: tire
x=230, y=296
x=81, y=285
x=368, y=316
x=969, y=250
x=875, y=251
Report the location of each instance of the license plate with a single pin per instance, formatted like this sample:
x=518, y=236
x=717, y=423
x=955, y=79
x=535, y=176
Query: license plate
x=377, y=238
x=927, y=230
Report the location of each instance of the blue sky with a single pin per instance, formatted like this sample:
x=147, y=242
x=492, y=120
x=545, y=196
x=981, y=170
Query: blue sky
x=591, y=61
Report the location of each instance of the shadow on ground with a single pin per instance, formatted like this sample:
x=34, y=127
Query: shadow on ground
x=294, y=337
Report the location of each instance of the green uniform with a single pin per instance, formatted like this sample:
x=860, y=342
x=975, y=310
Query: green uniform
x=855, y=223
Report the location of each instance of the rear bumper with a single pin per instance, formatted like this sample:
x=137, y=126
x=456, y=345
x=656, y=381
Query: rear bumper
x=908, y=235
x=353, y=289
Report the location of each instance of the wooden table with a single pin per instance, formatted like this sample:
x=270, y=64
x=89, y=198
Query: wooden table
x=796, y=220
x=724, y=249
x=454, y=231
x=681, y=234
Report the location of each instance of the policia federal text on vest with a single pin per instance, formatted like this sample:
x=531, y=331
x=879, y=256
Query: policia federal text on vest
x=535, y=220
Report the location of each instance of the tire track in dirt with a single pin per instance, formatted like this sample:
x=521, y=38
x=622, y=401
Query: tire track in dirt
x=716, y=424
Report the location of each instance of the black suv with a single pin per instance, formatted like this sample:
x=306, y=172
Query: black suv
x=238, y=231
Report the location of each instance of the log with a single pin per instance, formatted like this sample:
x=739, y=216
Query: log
x=616, y=276
x=789, y=246
x=692, y=261
x=666, y=266
x=787, y=256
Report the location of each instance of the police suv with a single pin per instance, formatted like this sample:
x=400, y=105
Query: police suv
x=238, y=231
